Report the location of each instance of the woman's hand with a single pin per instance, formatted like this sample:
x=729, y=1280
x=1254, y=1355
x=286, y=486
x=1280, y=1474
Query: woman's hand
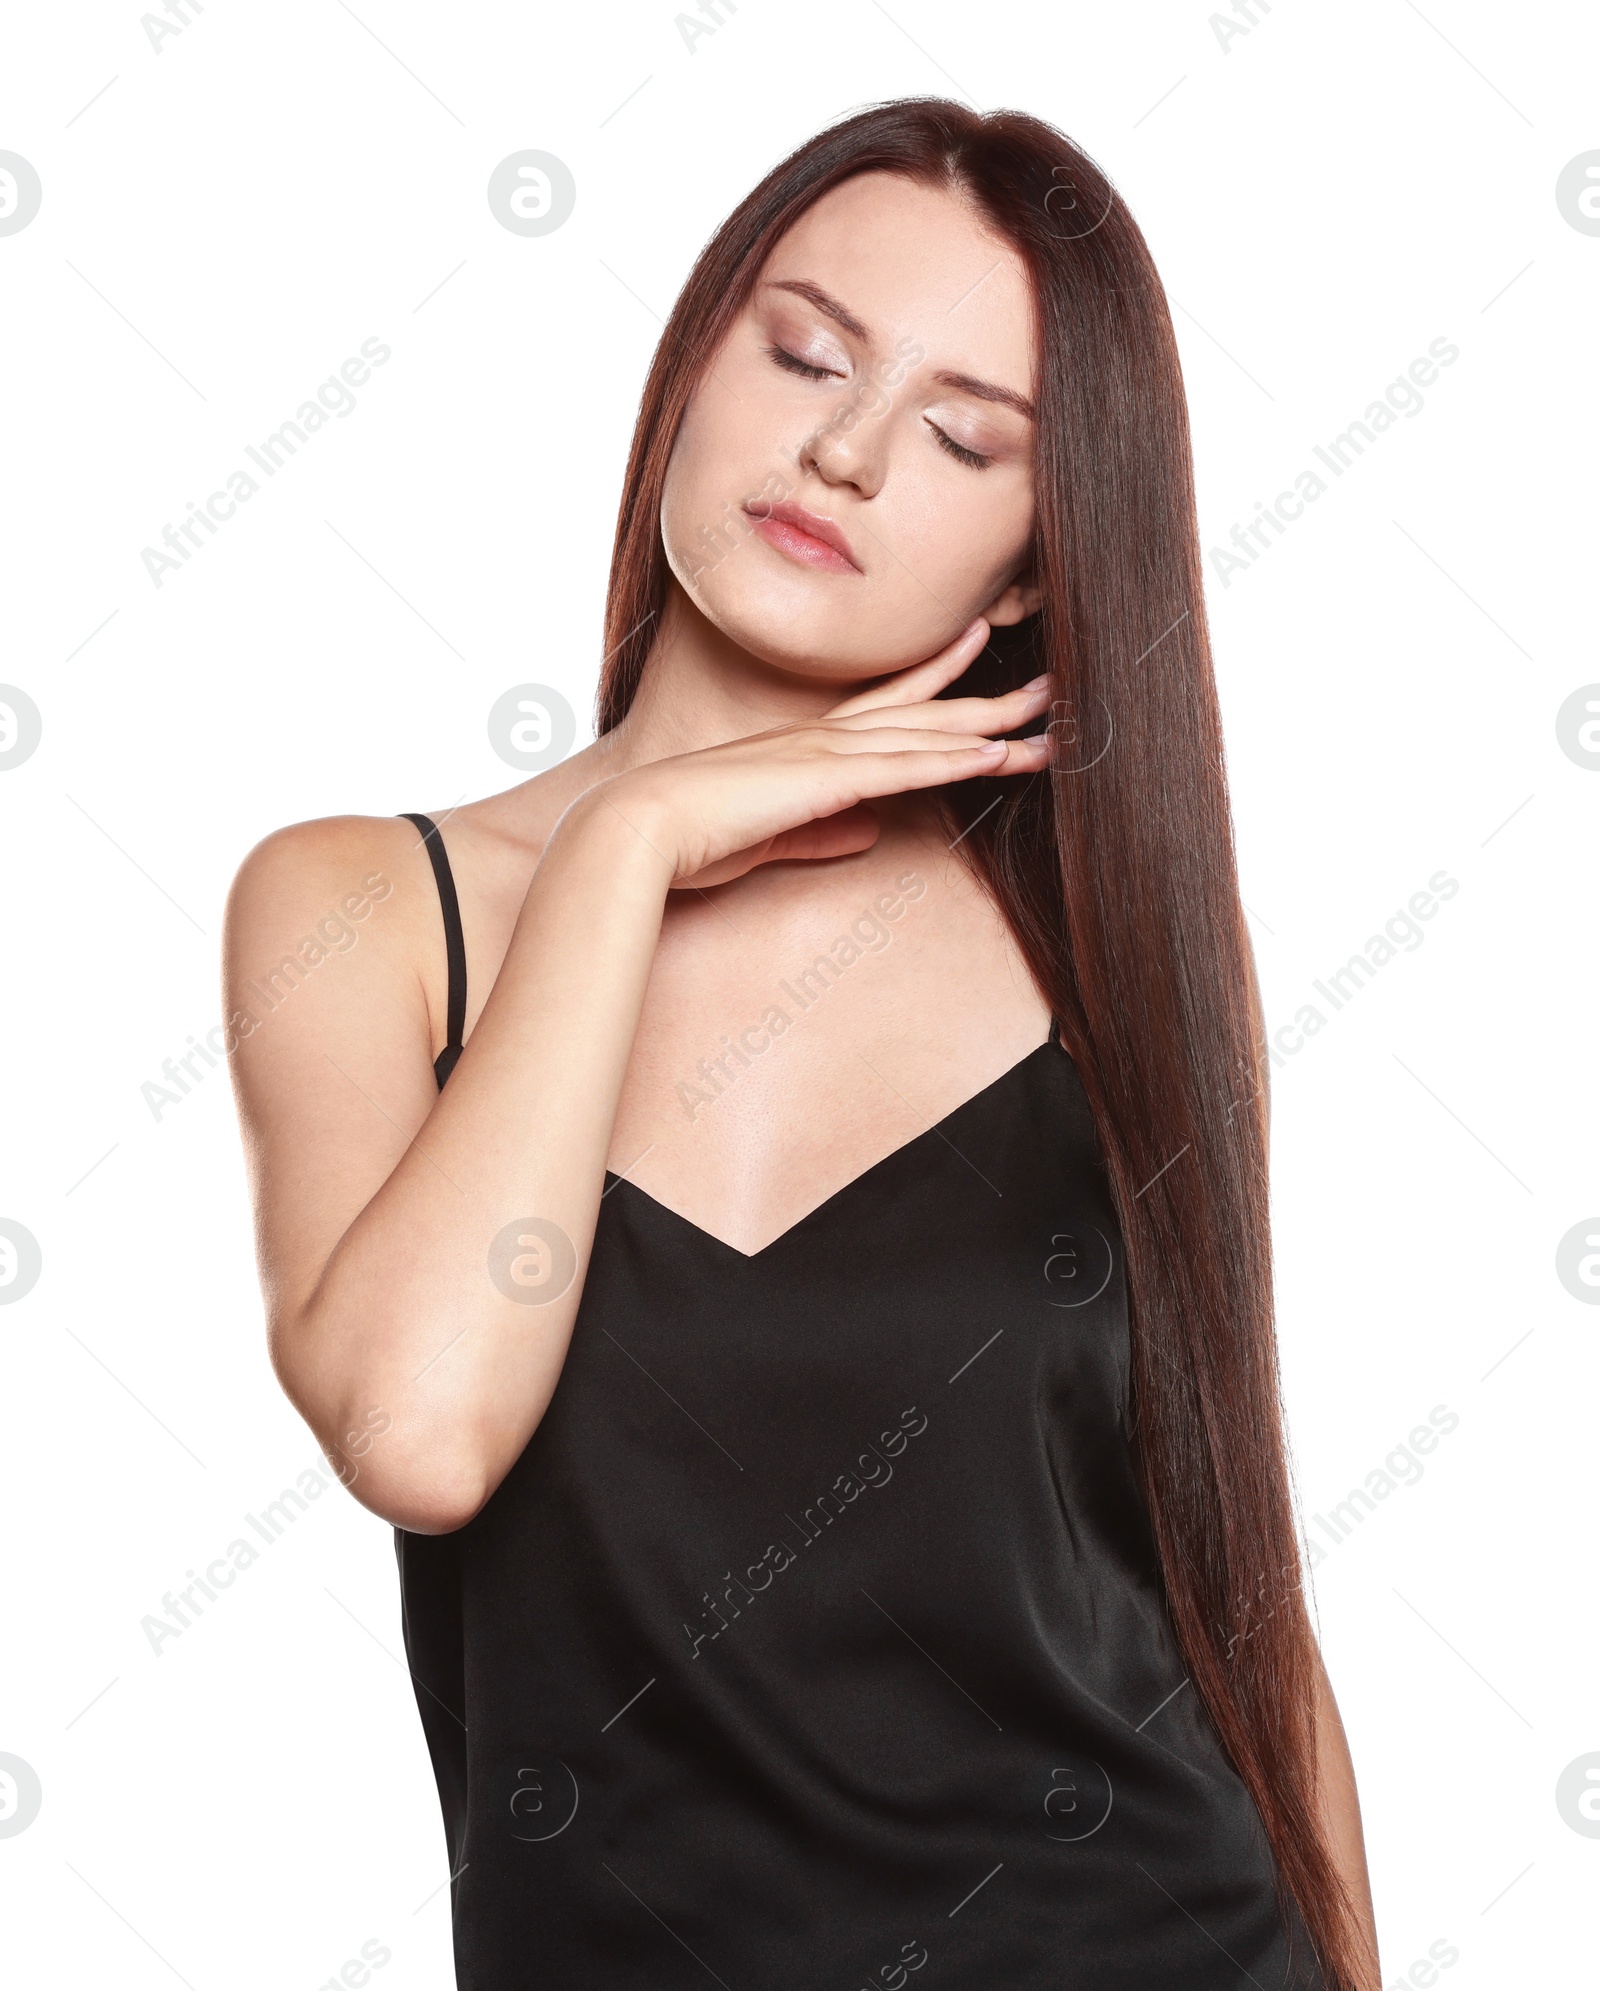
x=801, y=791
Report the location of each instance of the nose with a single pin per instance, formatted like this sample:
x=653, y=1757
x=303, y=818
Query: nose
x=840, y=456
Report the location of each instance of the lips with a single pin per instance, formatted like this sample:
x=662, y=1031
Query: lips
x=806, y=537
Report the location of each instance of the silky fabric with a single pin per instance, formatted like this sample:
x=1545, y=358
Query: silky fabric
x=817, y=1637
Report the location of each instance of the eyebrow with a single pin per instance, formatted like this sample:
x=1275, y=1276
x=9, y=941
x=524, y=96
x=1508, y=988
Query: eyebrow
x=986, y=390
x=842, y=316
x=830, y=307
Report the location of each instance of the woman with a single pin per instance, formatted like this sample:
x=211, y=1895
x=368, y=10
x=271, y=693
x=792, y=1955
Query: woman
x=816, y=1351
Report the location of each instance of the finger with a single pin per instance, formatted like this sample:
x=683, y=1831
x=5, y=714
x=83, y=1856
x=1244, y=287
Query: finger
x=907, y=737
x=1001, y=714
x=901, y=773
x=921, y=681
x=734, y=865
x=1028, y=756
x=841, y=835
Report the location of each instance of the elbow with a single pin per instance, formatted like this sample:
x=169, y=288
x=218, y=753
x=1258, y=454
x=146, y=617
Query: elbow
x=429, y=1472
x=432, y=1497
x=428, y=1477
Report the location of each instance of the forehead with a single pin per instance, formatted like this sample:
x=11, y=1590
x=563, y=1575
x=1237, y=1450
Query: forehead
x=918, y=261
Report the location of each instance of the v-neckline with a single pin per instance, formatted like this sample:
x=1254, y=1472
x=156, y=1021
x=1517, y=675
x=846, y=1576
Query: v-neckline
x=935, y=1131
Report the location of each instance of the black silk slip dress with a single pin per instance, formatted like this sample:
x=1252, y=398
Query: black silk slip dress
x=817, y=1640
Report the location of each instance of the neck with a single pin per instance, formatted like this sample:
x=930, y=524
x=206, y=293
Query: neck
x=700, y=688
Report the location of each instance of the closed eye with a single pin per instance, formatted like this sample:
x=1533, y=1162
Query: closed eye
x=967, y=456
x=792, y=363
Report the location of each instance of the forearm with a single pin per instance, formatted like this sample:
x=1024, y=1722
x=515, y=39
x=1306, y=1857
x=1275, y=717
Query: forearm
x=406, y=1315
x=1342, y=1813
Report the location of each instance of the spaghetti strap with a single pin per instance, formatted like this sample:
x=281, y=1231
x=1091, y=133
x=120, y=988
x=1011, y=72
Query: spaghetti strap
x=455, y=949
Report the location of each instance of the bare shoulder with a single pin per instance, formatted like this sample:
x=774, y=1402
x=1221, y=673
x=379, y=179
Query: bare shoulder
x=341, y=907
x=361, y=890
x=329, y=1019
x=318, y=865
x=348, y=908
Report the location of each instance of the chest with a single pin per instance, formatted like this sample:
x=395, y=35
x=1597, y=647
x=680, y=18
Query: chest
x=797, y=1029
x=952, y=1321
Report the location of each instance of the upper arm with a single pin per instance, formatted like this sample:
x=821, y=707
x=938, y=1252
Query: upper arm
x=1341, y=1807
x=1256, y=1080
x=329, y=1028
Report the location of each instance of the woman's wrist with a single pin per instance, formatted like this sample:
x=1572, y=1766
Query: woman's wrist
x=621, y=825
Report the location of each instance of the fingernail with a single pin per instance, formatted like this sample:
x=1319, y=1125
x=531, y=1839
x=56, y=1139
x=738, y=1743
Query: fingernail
x=1037, y=683
x=973, y=627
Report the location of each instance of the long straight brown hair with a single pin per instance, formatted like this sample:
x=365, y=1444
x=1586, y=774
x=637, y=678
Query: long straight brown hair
x=1116, y=874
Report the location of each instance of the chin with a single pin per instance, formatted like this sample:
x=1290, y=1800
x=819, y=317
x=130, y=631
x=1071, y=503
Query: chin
x=818, y=628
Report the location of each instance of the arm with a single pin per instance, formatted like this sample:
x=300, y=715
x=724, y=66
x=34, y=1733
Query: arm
x=378, y=1199
x=1342, y=1814
x=1336, y=1775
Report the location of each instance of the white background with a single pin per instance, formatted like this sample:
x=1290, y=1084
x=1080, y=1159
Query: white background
x=225, y=223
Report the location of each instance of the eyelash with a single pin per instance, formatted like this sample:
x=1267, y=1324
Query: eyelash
x=792, y=363
x=967, y=456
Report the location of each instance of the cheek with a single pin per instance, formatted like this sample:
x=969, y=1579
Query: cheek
x=683, y=497
x=691, y=516
x=721, y=458
x=972, y=527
